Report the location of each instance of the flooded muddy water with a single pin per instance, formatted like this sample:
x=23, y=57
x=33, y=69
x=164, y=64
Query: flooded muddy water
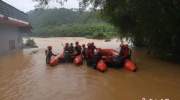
x=25, y=76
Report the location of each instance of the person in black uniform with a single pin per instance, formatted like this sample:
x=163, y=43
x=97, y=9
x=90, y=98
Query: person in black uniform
x=77, y=49
x=71, y=51
x=96, y=58
x=84, y=51
x=67, y=56
x=49, y=54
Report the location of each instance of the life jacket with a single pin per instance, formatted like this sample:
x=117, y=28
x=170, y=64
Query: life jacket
x=126, y=51
x=90, y=53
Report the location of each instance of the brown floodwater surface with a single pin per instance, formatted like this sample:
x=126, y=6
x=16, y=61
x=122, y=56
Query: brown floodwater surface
x=25, y=76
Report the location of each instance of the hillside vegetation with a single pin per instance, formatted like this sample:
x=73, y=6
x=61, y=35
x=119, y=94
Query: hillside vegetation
x=69, y=22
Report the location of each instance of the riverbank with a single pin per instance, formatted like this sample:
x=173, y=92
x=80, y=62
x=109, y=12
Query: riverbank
x=25, y=76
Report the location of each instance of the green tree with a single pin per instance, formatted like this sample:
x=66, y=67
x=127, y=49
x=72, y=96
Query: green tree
x=68, y=22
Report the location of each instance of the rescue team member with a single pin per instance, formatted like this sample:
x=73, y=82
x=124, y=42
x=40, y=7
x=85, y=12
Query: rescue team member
x=96, y=58
x=67, y=56
x=84, y=50
x=121, y=51
x=77, y=49
x=71, y=48
x=71, y=51
x=89, y=54
x=91, y=59
x=128, y=52
x=49, y=54
x=93, y=46
x=125, y=51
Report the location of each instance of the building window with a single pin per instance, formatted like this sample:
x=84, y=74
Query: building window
x=12, y=44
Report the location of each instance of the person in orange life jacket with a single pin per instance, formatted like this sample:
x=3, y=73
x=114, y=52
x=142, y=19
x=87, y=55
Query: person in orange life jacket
x=125, y=52
x=77, y=49
x=89, y=54
x=49, y=54
x=93, y=46
x=121, y=51
x=91, y=50
x=84, y=50
x=92, y=55
x=67, y=56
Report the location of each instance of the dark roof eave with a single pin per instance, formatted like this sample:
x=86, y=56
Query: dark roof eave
x=14, y=22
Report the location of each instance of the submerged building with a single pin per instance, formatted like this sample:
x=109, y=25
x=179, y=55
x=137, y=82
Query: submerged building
x=13, y=24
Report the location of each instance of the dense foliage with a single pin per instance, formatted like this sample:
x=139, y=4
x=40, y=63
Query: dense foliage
x=69, y=22
x=150, y=23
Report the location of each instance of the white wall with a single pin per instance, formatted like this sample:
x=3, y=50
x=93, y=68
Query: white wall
x=9, y=33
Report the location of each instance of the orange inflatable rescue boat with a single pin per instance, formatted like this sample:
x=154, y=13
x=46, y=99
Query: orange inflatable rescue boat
x=78, y=60
x=101, y=66
x=56, y=59
x=108, y=52
x=130, y=65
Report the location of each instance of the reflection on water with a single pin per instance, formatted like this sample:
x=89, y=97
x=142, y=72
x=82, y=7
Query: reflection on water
x=25, y=76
